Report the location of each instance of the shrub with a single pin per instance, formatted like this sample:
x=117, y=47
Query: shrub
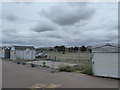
x=85, y=68
x=18, y=62
x=32, y=65
x=69, y=68
x=44, y=64
x=23, y=63
x=77, y=67
x=61, y=67
x=47, y=66
x=66, y=68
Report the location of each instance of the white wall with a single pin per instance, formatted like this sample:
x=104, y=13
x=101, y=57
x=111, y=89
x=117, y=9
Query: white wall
x=2, y=53
x=105, y=64
x=22, y=54
x=1, y=74
x=12, y=54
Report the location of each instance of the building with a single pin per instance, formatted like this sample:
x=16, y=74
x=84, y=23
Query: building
x=4, y=52
x=105, y=60
x=22, y=53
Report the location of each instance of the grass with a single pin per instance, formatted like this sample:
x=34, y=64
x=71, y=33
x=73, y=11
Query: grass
x=66, y=68
x=85, y=68
x=75, y=61
x=69, y=56
x=28, y=60
x=68, y=61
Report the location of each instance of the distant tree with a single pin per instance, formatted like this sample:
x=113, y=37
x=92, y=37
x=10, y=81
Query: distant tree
x=56, y=47
x=51, y=49
x=71, y=49
x=83, y=48
x=63, y=48
x=90, y=50
x=60, y=48
x=76, y=48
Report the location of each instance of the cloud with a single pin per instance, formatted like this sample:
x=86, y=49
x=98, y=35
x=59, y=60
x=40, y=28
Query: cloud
x=50, y=24
x=54, y=35
x=27, y=3
x=68, y=13
x=10, y=17
x=44, y=25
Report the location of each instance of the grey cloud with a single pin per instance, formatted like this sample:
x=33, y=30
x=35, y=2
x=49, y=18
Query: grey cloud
x=54, y=36
x=29, y=40
x=87, y=42
x=26, y=3
x=9, y=32
x=15, y=38
x=44, y=26
x=10, y=17
x=68, y=13
x=11, y=42
x=71, y=24
x=77, y=4
x=119, y=16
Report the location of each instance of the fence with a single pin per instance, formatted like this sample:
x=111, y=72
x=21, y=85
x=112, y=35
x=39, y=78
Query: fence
x=73, y=57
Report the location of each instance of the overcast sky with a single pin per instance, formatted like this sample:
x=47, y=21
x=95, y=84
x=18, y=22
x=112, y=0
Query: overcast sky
x=49, y=24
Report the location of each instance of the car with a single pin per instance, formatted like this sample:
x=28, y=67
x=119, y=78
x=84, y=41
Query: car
x=41, y=55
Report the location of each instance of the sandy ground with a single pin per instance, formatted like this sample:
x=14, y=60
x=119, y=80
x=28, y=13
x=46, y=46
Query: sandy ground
x=24, y=76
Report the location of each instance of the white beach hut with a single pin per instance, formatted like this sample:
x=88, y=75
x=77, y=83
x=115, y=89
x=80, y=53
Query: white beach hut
x=105, y=60
x=22, y=53
x=4, y=52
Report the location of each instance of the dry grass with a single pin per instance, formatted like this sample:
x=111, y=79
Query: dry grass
x=84, y=67
x=69, y=56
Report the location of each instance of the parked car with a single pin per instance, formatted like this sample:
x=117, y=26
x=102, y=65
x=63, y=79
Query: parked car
x=41, y=55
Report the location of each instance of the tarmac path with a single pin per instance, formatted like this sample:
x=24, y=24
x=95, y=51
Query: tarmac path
x=24, y=76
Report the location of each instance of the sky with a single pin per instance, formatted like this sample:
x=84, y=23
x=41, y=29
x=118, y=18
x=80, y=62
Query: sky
x=47, y=24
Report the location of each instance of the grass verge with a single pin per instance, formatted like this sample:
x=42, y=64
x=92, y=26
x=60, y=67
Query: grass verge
x=85, y=68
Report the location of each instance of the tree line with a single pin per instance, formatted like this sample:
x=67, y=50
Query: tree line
x=63, y=48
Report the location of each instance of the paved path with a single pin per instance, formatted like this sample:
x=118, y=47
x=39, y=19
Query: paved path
x=50, y=63
x=24, y=76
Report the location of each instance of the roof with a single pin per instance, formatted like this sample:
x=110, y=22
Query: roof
x=107, y=48
x=5, y=47
x=23, y=47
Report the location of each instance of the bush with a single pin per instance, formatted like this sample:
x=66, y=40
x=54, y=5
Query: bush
x=77, y=67
x=47, y=66
x=44, y=64
x=18, y=62
x=66, y=68
x=61, y=68
x=23, y=63
x=33, y=65
x=69, y=69
x=85, y=68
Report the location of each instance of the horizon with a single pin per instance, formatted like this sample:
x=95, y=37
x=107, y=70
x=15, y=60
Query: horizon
x=61, y=45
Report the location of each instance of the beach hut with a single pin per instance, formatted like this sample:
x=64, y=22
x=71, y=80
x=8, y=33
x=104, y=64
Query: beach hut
x=4, y=52
x=105, y=60
x=22, y=53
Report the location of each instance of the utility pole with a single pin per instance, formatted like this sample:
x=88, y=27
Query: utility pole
x=78, y=55
x=53, y=63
